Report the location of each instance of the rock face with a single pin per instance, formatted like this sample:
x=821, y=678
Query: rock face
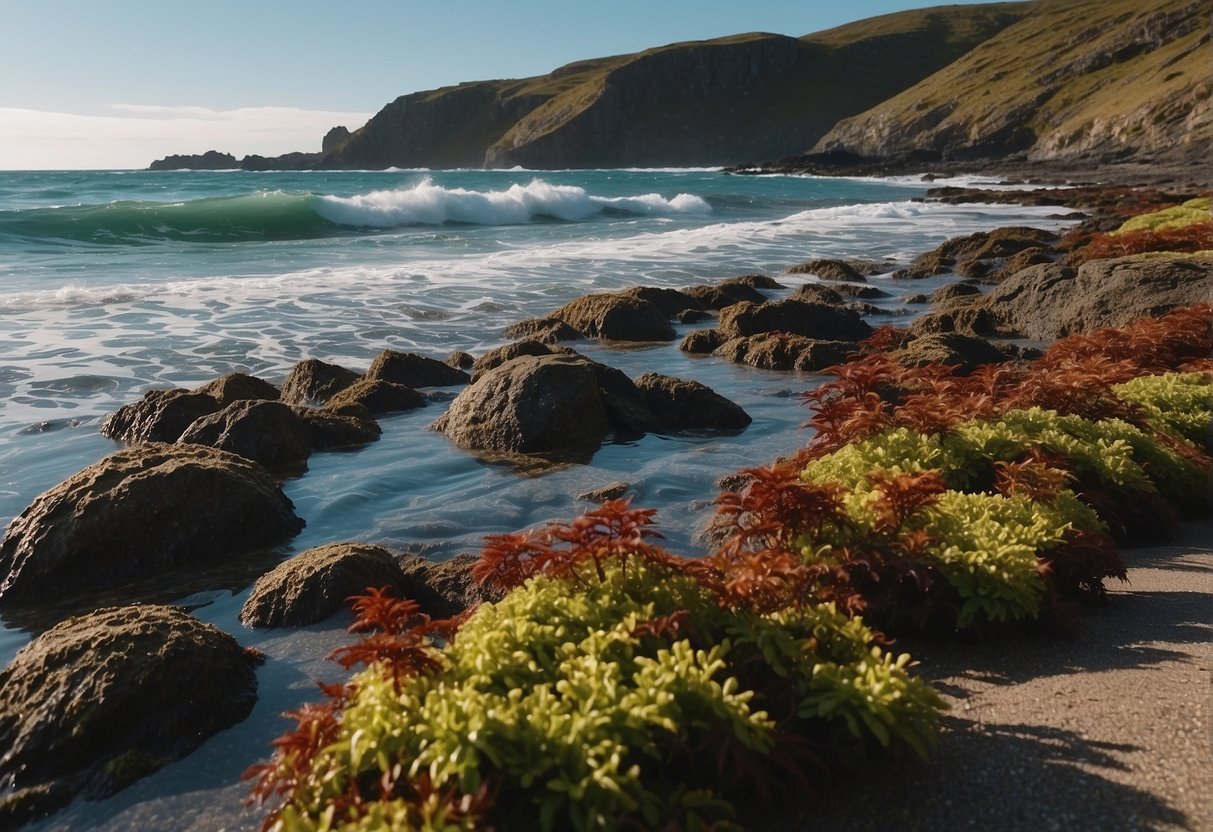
x=316, y=583
x=334, y=138
x=684, y=404
x=531, y=405
x=1094, y=79
x=267, y=432
x=1053, y=300
x=101, y=700
x=140, y=510
x=159, y=416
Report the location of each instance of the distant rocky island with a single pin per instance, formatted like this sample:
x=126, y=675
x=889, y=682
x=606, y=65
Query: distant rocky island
x=1044, y=83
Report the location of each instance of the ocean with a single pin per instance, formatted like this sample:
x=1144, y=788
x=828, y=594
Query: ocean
x=114, y=282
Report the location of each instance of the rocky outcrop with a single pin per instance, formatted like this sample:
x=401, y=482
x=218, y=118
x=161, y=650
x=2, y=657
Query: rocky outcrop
x=616, y=316
x=780, y=351
x=101, y=700
x=334, y=138
x=267, y=432
x=317, y=582
x=341, y=427
x=1054, y=300
x=236, y=386
x=211, y=160
x=543, y=330
x=794, y=317
x=1096, y=79
x=964, y=352
x=378, y=396
x=685, y=404
x=856, y=271
x=141, y=510
x=978, y=254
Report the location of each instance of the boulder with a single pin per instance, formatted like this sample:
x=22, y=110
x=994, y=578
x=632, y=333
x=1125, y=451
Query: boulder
x=751, y=281
x=530, y=405
x=102, y=700
x=616, y=316
x=378, y=396
x=796, y=317
x=858, y=290
x=610, y=491
x=952, y=291
x=444, y=588
x=140, y=510
x=236, y=386
x=315, y=381
x=345, y=426
x=267, y=432
x=963, y=351
x=701, y=341
x=780, y=351
x=414, y=370
x=499, y=356
x=544, y=330
x=460, y=360
x=692, y=316
x=716, y=298
x=317, y=582
x=671, y=302
x=685, y=404
x=816, y=293
x=159, y=416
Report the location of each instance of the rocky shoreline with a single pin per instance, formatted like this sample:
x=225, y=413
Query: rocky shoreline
x=222, y=450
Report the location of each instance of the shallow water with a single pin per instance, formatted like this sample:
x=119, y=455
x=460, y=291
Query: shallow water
x=139, y=279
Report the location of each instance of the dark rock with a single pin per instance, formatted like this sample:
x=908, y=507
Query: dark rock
x=236, y=386
x=531, y=405
x=671, y=302
x=751, y=281
x=159, y=416
x=856, y=290
x=684, y=404
x=334, y=138
x=915, y=299
x=140, y=510
x=625, y=405
x=610, y=491
x=949, y=293
x=701, y=341
x=953, y=349
x=211, y=160
x=974, y=269
x=816, y=293
x=544, y=330
x=446, y=588
x=616, y=316
x=102, y=700
x=812, y=320
x=267, y=432
x=499, y=356
x=780, y=351
x=1033, y=256
x=841, y=270
x=348, y=425
x=378, y=396
x=414, y=370
x=314, y=381
x=716, y=298
x=1001, y=242
x=926, y=265
x=692, y=316
x=317, y=582
x=460, y=360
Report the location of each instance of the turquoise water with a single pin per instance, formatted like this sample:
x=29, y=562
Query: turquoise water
x=114, y=282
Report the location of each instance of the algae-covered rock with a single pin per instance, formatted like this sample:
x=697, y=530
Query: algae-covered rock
x=103, y=699
x=313, y=380
x=685, y=404
x=140, y=510
x=414, y=370
x=267, y=432
x=317, y=582
x=159, y=416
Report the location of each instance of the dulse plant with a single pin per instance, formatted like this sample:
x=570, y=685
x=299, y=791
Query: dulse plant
x=959, y=500
x=615, y=686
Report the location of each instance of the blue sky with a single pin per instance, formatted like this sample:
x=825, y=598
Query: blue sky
x=120, y=82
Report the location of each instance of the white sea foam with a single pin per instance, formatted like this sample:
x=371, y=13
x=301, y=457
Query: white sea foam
x=429, y=204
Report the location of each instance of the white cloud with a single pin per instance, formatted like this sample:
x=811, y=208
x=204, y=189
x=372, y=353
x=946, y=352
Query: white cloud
x=138, y=134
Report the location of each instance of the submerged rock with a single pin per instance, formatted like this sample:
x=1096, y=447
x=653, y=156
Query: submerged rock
x=610, y=491
x=345, y=426
x=141, y=510
x=317, y=582
x=444, y=588
x=267, y=432
x=102, y=700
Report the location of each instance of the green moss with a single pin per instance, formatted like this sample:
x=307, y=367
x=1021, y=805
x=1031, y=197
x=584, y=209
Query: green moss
x=1177, y=216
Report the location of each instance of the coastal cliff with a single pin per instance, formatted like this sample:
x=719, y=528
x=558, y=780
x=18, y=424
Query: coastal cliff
x=1093, y=79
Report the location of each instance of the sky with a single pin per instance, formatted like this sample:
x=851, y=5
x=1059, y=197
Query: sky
x=118, y=83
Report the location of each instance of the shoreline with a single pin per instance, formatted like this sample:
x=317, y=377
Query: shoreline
x=907, y=284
